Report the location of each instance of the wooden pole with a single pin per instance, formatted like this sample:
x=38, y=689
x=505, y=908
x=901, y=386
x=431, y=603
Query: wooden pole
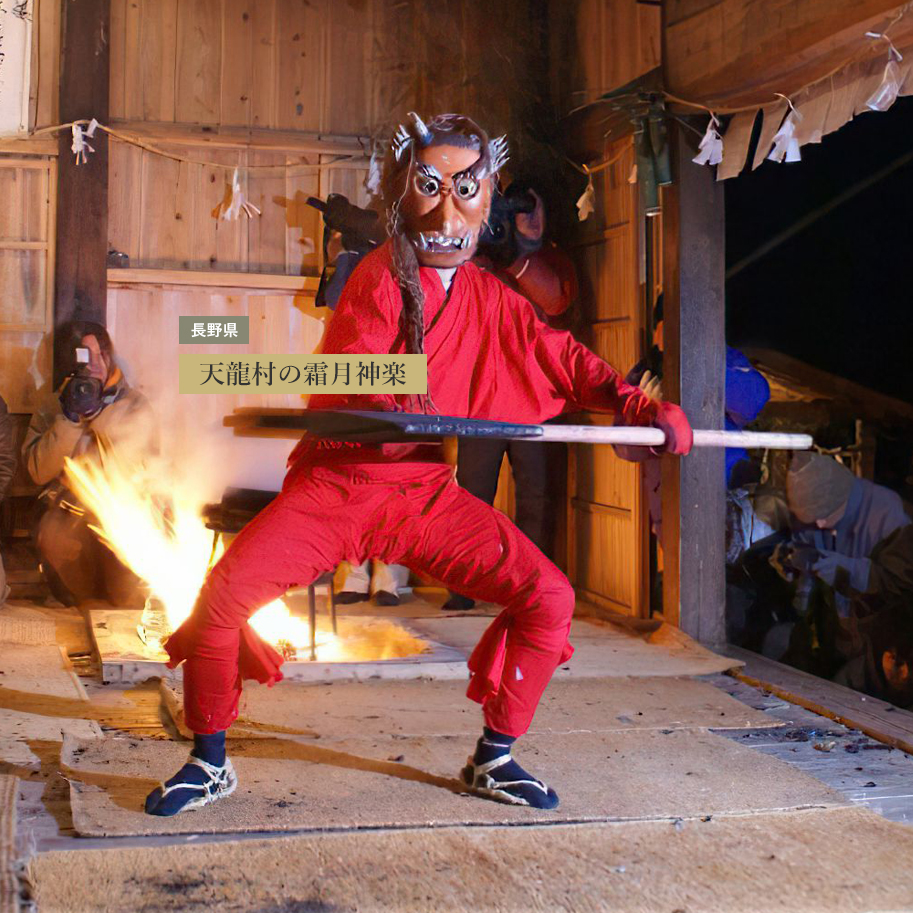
x=694, y=489
x=653, y=437
x=82, y=190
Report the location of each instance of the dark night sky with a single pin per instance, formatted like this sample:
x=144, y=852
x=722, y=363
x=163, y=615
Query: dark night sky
x=838, y=295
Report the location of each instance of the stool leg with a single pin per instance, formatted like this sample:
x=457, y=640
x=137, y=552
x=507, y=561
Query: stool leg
x=312, y=618
x=332, y=605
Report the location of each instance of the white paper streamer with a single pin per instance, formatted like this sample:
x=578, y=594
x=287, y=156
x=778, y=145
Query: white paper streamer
x=886, y=94
x=79, y=146
x=711, y=147
x=586, y=205
x=785, y=144
x=237, y=202
x=372, y=179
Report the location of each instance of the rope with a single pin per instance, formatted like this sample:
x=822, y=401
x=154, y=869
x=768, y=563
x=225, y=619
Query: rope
x=341, y=161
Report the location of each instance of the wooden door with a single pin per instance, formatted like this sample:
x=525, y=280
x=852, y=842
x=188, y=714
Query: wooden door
x=607, y=528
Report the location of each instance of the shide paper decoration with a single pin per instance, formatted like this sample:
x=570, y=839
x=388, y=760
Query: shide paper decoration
x=586, y=205
x=786, y=146
x=235, y=202
x=711, y=147
x=886, y=94
x=79, y=146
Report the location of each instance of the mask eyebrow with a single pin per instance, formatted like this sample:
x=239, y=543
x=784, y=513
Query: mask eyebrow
x=429, y=171
x=466, y=173
x=478, y=169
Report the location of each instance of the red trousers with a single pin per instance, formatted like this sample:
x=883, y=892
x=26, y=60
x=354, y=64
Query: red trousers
x=412, y=514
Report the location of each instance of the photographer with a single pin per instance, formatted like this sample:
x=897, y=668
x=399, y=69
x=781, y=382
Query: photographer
x=845, y=572
x=95, y=407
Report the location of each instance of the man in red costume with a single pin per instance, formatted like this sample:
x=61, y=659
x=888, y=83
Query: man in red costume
x=489, y=357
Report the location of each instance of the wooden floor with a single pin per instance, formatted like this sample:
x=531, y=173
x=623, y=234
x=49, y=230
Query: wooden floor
x=866, y=771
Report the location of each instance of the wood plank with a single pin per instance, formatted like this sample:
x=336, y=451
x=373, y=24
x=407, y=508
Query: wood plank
x=347, y=101
x=649, y=38
x=125, y=187
x=300, y=74
x=133, y=61
x=589, y=78
x=605, y=554
x=157, y=59
x=603, y=478
x=676, y=11
x=818, y=384
x=166, y=239
x=303, y=223
x=199, y=62
x=876, y=718
x=212, y=279
x=46, y=79
x=694, y=370
x=394, y=79
x=263, y=64
x=218, y=137
x=266, y=235
x=621, y=47
x=29, y=145
x=237, y=61
x=117, y=98
x=82, y=191
x=23, y=289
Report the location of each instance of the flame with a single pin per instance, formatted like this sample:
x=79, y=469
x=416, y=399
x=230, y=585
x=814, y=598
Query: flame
x=162, y=538
x=276, y=625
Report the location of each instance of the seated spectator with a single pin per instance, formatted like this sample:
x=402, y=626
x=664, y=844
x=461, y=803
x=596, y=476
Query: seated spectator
x=96, y=408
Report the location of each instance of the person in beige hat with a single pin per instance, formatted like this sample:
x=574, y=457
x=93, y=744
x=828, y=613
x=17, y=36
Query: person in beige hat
x=844, y=518
x=852, y=548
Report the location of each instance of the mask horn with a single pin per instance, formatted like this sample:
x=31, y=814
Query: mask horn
x=401, y=142
x=422, y=133
x=499, y=153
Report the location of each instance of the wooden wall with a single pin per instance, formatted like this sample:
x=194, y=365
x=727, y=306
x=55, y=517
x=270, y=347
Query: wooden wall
x=338, y=67
x=258, y=84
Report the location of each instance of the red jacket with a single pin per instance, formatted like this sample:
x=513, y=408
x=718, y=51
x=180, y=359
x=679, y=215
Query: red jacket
x=489, y=357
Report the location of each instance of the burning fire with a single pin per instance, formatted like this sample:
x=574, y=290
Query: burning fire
x=164, y=541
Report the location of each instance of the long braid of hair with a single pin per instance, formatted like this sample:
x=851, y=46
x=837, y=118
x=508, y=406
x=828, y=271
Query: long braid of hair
x=412, y=316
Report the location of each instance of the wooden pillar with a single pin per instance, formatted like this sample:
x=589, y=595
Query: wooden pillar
x=694, y=488
x=82, y=190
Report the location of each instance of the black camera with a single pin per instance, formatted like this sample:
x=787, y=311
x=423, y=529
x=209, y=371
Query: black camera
x=82, y=395
x=360, y=228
